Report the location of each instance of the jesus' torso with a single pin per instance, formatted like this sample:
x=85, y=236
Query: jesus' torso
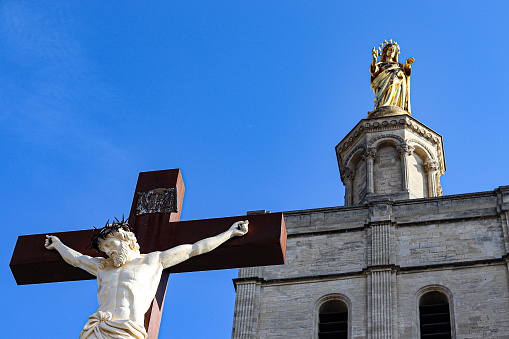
x=127, y=291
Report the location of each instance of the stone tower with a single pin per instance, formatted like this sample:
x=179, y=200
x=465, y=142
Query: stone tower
x=399, y=260
x=390, y=156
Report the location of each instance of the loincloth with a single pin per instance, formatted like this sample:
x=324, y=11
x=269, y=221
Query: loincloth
x=100, y=326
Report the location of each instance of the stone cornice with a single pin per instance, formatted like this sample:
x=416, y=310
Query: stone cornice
x=367, y=270
x=461, y=196
x=358, y=217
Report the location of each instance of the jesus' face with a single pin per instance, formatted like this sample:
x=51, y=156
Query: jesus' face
x=116, y=249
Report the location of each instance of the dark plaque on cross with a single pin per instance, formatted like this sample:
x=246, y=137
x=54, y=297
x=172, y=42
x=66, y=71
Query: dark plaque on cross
x=166, y=245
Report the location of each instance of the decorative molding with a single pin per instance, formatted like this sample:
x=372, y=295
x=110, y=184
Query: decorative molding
x=388, y=123
x=386, y=136
x=159, y=200
x=369, y=126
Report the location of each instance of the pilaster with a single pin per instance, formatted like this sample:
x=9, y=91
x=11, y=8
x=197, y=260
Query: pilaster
x=503, y=212
x=248, y=288
x=381, y=298
x=381, y=273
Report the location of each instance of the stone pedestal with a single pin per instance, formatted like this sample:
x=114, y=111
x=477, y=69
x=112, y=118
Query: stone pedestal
x=390, y=156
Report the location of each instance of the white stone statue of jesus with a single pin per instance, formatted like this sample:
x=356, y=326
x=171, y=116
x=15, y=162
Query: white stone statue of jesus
x=128, y=280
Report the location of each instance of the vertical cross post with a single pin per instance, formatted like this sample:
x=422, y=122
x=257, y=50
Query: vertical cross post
x=157, y=200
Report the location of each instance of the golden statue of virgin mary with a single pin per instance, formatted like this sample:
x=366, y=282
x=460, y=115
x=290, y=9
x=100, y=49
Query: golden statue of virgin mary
x=390, y=80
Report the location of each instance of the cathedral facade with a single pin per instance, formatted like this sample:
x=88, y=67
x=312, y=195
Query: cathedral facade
x=399, y=260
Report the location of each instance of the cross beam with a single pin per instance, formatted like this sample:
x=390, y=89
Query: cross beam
x=154, y=217
x=264, y=245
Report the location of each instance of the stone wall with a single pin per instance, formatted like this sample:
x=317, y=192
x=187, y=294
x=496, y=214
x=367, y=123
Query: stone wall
x=455, y=243
x=480, y=300
x=289, y=310
x=359, y=182
x=418, y=179
x=311, y=255
x=387, y=171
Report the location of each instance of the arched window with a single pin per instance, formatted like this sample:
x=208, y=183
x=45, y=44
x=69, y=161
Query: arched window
x=333, y=320
x=434, y=315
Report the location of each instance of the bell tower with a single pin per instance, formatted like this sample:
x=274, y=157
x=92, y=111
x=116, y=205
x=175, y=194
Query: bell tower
x=390, y=155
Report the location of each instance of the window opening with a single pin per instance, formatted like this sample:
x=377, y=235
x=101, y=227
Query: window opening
x=434, y=316
x=333, y=320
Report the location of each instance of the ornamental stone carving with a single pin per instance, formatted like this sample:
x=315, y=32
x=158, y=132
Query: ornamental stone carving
x=369, y=152
x=440, y=191
x=404, y=150
x=431, y=166
x=159, y=200
x=348, y=174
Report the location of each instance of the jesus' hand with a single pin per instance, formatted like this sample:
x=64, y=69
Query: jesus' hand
x=50, y=241
x=239, y=228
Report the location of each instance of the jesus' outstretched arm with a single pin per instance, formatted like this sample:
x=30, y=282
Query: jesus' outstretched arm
x=181, y=253
x=71, y=256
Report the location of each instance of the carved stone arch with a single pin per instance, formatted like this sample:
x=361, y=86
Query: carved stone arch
x=322, y=300
x=386, y=137
x=433, y=288
x=357, y=149
x=431, y=166
x=387, y=161
x=419, y=146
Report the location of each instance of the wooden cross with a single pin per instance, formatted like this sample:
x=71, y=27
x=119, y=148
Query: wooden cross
x=154, y=216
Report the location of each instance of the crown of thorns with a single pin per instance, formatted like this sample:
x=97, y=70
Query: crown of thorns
x=102, y=233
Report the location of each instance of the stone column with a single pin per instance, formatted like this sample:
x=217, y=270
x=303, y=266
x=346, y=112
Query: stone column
x=431, y=168
x=245, y=319
x=369, y=155
x=348, y=176
x=405, y=151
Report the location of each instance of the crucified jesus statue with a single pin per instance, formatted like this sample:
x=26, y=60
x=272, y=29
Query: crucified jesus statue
x=128, y=280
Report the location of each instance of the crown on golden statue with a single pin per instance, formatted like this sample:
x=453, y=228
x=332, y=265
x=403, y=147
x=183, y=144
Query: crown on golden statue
x=385, y=43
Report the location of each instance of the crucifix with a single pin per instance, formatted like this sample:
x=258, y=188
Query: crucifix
x=154, y=220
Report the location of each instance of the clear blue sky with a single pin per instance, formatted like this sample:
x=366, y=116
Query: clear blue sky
x=247, y=98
